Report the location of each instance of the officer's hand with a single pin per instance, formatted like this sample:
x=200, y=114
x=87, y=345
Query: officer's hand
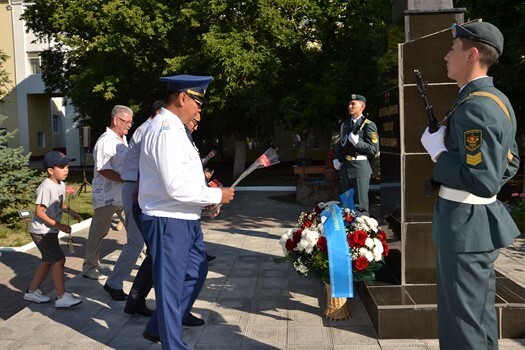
x=354, y=139
x=337, y=164
x=227, y=194
x=434, y=143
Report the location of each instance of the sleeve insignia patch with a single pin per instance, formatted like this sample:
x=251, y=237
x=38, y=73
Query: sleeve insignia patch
x=475, y=159
x=472, y=140
x=165, y=124
x=375, y=137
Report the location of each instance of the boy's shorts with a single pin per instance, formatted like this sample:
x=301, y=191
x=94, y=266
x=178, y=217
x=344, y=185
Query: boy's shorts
x=48, y=246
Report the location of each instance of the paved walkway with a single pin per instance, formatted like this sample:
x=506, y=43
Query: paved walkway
x=248, y=301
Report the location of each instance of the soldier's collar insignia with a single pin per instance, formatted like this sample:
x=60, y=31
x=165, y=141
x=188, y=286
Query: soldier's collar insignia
x=472, y=139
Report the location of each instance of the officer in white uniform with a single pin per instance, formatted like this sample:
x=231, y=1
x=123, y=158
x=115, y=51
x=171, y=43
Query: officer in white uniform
x=172, y=192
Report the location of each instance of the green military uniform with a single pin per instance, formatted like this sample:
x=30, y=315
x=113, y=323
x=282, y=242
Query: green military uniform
x=481, y=156
x=355, y=166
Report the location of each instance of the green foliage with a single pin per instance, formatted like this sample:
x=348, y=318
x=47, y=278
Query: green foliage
x=17, y=182
x=518, y=214
x=4, y=77
x=292, y=61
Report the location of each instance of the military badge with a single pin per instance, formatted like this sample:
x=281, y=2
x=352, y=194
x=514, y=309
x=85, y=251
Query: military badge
x=472, y=139
x=375, y=137
x=475, y=159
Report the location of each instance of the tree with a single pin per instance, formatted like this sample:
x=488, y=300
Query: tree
x=292, y=61
x=508, y=16
x=17, y=181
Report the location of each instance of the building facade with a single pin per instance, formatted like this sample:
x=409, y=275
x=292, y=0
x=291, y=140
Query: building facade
x=44, y=121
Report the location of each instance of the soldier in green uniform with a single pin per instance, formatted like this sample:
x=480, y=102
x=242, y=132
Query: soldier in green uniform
x=475, y=155
x=358, y=141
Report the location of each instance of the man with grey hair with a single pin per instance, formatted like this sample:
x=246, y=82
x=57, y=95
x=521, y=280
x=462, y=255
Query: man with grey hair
x=108, y=156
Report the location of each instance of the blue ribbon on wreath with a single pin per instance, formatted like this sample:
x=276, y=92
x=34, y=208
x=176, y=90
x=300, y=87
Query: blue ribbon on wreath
x=339, y=259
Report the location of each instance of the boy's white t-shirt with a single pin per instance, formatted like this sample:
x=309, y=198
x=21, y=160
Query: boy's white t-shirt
x=51, y=195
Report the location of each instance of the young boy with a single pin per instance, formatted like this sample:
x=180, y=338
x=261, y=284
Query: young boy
x=50, y=204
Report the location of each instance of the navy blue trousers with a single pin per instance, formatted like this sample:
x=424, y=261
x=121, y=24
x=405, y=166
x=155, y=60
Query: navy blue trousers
x=179, y=270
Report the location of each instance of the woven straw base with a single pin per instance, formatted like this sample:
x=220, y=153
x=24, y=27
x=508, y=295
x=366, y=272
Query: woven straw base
x=336, y=308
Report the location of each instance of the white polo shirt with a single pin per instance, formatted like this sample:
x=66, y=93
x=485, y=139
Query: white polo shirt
x=109, y=153
x=171, y=181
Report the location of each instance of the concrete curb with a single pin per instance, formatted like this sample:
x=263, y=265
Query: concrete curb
x=74, y=228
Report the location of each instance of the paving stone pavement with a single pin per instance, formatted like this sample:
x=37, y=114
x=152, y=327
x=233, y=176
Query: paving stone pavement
x=248, y=301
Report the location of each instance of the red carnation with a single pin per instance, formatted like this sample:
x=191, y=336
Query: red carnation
x=357, y=239
x=290, y=245
x=348, y=218
x=381, y=235
x=361, y=263
x=321, y=244
x=297, y=236
x=307, y=224
x=385, y=248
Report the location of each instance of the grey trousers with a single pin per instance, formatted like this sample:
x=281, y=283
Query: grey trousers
x=134, y=245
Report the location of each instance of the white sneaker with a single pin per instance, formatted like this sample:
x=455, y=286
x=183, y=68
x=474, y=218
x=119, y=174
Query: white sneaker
x=67, y=300
x=94, y=275
x=36, y=297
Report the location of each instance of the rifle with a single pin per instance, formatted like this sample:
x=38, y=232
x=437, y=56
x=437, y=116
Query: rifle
x=421, y=86
x=430, y=185
x=358, y=128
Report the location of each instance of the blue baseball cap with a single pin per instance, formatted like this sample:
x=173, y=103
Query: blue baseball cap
x=56, y=158
x=194, y=85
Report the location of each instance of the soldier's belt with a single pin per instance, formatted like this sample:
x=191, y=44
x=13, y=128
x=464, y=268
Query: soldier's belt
x=360, y=157
x=460, y=196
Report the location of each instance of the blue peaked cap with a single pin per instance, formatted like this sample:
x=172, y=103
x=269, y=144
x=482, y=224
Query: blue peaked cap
x=194, y=85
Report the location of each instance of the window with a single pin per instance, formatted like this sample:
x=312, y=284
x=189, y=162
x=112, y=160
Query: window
x=34, y=63
x=41, y=141
x=56, y=124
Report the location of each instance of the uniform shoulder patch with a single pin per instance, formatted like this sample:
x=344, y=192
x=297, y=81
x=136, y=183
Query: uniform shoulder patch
x=472, y=139
x=374, y=137
x=165, y=124
x=474, y=159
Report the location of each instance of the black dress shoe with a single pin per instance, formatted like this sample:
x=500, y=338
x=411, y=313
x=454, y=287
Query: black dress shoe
x=151, y=337
x=116, y=294
x=141, y=310
x=193, y=321
x=209, y=257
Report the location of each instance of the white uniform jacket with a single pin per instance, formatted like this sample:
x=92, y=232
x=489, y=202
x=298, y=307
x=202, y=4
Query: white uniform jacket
x=171, y=181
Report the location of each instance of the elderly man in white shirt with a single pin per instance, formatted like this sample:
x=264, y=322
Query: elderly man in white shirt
x=172, y=192
x=108, y=156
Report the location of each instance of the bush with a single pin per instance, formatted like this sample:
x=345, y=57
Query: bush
x=17, y=181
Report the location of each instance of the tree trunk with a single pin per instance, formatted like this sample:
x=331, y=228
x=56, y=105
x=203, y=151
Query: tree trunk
x=240, y=158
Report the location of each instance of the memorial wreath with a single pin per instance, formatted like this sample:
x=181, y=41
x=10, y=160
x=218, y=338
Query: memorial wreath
x=305, y=245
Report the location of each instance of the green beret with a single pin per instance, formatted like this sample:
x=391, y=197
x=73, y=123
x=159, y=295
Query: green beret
x=482, y=32
x=355, y=97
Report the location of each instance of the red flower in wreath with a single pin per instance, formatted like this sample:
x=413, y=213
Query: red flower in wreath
x=381, y=235
x=357, y=239
x=290, y=245
x=361, y=263
x=297, y=236
x=385, y=248
x=321, y=244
